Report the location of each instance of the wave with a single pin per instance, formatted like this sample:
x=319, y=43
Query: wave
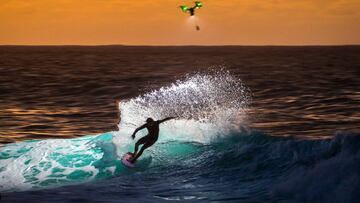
x=326, y=171
x=207, y=149
x=277, y=168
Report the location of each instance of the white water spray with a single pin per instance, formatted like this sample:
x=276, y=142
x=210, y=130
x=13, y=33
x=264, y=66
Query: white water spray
x=206, y=106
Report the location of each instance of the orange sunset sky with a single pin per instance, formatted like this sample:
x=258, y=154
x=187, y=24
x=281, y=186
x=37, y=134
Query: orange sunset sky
x=161, y=22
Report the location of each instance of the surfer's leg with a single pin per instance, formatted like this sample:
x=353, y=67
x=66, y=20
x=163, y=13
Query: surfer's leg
x=138, y=143
x=136, y=148
x=146, y=145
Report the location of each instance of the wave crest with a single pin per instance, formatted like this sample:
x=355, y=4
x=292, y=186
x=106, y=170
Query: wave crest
x=212, y=103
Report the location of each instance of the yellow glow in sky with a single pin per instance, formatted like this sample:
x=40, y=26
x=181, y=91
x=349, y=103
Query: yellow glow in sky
x=161, y=22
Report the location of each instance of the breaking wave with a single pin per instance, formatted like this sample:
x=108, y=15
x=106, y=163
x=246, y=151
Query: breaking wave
x=204, y=153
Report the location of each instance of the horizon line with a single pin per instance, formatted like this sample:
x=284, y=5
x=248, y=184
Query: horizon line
x=185, y=45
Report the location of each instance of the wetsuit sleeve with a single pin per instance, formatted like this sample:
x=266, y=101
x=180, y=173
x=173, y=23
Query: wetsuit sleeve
x=137, y=129
x=165, y=119
x=141, y=127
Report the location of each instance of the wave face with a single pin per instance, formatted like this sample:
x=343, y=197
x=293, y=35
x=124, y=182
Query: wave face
x=206, y=154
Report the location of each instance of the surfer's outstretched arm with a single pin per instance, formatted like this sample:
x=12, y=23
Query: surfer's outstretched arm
x=137, y=129
x=165, y=119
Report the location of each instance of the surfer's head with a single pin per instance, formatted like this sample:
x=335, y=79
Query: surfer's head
x=149, y=120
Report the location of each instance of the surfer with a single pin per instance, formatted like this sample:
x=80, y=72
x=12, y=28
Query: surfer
x=147, y=141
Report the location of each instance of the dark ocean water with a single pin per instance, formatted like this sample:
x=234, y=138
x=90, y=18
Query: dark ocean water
x=278, y=124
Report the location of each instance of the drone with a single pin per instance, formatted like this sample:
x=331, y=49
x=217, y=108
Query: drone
x=191, y=10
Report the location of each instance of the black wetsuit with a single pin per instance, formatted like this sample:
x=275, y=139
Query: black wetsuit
x=147, y=141
x=152, y=136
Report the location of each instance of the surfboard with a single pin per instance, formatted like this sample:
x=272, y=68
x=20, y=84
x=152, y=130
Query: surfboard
x=125, y=160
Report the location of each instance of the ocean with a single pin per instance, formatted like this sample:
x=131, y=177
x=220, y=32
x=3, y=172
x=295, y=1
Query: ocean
x=253, y=123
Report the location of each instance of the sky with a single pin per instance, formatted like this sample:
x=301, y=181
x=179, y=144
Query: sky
x=161, y=22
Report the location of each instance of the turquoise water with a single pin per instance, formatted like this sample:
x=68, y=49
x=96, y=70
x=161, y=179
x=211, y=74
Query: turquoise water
x=241, y=167
x=40, y=164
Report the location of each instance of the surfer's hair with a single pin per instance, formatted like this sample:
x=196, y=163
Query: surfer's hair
x=148, y=120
